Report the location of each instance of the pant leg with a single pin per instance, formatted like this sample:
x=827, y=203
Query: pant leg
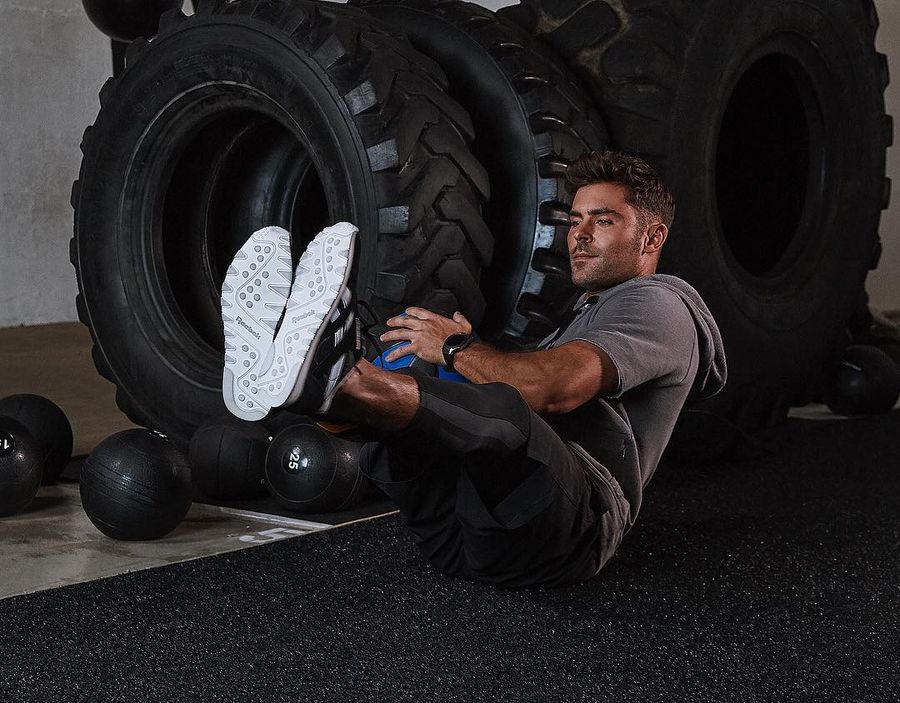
x=424, y=489
x=490, y=492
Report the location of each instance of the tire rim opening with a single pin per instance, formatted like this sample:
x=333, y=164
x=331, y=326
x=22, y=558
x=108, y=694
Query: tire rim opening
x=236, y=173
x=764, y=165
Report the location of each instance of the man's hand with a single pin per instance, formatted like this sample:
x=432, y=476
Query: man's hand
x=426, y=332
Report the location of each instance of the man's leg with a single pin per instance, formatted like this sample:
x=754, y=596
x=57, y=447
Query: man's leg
x=488, y=490
x=470, y=464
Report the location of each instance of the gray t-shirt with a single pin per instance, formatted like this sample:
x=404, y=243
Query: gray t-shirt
x=664, y=343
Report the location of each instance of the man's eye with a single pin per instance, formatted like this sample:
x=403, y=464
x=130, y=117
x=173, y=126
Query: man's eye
x=604, y=222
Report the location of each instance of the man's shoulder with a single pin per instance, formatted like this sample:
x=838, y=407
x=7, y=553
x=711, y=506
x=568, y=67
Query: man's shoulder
x=656, y=287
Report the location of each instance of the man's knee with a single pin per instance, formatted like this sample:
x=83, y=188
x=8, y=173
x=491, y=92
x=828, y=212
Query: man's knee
x=483, y=417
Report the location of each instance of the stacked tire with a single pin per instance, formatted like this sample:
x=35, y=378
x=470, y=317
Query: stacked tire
x=531, y=119
x=297, y=114
x=443, y=131
x=248, y=114
x=767, y=120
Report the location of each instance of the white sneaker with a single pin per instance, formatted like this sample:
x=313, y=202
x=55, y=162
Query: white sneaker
x=317, y=342
x=254, y=294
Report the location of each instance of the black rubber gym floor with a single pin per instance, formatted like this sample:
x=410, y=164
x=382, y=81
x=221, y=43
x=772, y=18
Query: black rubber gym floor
x=774, y=579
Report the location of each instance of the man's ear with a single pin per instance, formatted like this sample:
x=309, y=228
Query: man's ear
x=657, y=233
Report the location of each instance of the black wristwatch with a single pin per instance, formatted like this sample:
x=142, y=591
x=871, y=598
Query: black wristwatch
x=453, y=345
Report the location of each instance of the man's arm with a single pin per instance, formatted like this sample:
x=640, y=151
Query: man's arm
x=550, y=380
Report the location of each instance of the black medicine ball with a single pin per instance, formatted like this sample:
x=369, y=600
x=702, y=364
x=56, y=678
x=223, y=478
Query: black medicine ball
x=311, y=470
x=47, y=424
x=228, y=459
x=867, y=382
x=136, y=486
x=21, y=466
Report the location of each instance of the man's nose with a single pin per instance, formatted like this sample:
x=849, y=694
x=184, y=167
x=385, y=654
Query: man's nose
x=580, y=233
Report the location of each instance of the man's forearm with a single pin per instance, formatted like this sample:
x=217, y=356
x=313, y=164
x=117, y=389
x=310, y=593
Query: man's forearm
x=524, y=371
x=551, y=381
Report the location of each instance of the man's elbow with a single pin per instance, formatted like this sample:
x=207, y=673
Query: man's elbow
x=561, y=404
x=542, y=400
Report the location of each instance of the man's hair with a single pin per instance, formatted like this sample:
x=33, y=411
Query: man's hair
x=644, y=189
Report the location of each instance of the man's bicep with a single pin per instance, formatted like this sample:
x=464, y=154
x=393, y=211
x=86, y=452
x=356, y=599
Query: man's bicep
x=649, y=335
x=595, y=372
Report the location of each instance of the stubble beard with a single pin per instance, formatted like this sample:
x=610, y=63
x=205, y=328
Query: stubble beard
x=600, y=275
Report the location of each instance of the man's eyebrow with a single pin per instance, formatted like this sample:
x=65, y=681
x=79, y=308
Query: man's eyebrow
x=597, y=211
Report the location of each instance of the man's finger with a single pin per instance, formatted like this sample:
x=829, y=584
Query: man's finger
x=401, y=321
x=458, y=317
x=400, y=352
x=420, y=313
x=394, y=335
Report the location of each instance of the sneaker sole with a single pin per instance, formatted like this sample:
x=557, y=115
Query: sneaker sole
x=254, y=295
x=319, y=283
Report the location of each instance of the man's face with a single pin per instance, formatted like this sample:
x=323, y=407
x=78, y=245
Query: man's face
x=605, y=239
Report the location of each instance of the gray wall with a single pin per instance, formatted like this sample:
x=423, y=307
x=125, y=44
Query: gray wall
x=54, y=63
x=883, y=283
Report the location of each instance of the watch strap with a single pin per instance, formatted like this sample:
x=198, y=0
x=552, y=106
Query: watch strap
x=454, y=344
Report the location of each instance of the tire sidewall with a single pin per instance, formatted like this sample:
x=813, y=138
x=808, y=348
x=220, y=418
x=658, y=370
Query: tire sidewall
x=808, y=295
x=204, y=66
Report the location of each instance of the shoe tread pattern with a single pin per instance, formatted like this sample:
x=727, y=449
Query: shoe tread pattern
x=320, y=283
x=254, y=294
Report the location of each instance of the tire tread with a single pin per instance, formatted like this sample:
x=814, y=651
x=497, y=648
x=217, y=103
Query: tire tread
x=395, y=96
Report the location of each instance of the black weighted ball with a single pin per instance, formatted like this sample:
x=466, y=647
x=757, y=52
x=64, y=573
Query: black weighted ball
x=310, y=470
x=47, y=424
x=21, y=465
x=127, y=20
x=228, y=459
x=135, y=485
x=867, y=382
x=283, y=418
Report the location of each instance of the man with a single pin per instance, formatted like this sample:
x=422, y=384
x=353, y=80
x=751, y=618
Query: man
x=532, y=474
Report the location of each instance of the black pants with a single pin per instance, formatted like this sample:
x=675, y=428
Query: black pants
x=491, y=493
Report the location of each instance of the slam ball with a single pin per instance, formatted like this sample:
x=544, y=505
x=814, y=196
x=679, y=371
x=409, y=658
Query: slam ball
x=412, y=361
x=310, y=470
x=21, y=466
x=135, y=485
x=282, y=418
x=228, y=459
x=126, y=20
x=47, y=424
x=867, y=382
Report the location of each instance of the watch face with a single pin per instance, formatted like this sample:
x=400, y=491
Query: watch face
x=456, y=338
x=453, y=343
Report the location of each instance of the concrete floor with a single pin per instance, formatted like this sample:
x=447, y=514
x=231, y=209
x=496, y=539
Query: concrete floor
x=54, y=544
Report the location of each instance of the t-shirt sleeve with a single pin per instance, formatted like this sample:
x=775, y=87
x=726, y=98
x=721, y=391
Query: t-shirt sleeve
x=646, y=330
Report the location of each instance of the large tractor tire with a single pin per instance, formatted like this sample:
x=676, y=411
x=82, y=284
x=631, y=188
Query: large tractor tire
x=254, y=113
x=767, y=120
x=531, y=120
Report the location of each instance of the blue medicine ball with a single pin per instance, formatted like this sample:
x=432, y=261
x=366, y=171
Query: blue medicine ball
x=411, y=360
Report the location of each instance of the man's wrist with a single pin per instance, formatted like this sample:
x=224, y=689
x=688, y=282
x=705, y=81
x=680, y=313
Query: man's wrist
x=454, y=344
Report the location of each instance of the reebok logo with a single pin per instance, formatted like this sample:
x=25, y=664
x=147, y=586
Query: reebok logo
x=247, y=327
x=296, y=318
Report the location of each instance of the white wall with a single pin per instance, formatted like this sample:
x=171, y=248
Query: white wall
x=54, y=63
